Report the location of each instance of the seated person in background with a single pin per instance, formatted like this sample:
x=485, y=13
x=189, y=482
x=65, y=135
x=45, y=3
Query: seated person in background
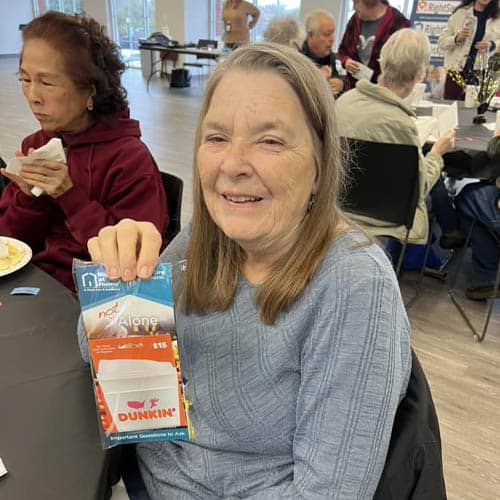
x=482, y=201
x=320, y=35
x=285, y=31
x=377, y=112
x=70, y=76
x=366, y=32
x=292, y=334
x=435, y=80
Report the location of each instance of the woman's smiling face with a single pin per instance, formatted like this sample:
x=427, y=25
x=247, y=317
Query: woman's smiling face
x=256, y=161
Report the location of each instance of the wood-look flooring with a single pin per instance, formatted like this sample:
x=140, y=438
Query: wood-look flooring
x=464, y=375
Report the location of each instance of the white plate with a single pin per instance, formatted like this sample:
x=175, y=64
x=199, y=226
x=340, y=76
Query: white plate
x=26, y=257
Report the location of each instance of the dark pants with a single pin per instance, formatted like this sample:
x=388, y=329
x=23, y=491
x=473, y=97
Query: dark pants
x=479, y=201
x=443, y=209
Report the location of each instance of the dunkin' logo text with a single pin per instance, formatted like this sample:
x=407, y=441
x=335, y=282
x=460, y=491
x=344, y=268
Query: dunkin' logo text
x=146, y=414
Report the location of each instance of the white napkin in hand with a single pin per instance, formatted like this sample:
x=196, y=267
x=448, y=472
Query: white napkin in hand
x=53, y=151
x=3, y=470
x=363, y=72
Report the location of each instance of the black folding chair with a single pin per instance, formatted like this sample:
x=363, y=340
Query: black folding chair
x=130, y=473
x=173, y=190
x=414, y=465
x=479, y=333
x=3, y=180
x=383, y=184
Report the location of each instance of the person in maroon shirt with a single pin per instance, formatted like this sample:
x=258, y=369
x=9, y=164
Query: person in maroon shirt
x=70, y=76
x=385, y=21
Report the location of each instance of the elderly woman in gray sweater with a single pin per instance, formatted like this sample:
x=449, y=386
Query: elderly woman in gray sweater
x=379, y=113
x=292, y=334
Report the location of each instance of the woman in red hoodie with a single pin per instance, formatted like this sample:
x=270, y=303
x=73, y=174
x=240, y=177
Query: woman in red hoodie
x=70, y=76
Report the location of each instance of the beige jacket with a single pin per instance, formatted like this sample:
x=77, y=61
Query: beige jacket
x=455, y=55
x=376, y=114
x=235, y=19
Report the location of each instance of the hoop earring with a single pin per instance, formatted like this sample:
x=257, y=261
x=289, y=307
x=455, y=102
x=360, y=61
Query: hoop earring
x=310, y=204
x=90, y=103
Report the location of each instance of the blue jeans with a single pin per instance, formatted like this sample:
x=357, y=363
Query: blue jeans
x=479, y=201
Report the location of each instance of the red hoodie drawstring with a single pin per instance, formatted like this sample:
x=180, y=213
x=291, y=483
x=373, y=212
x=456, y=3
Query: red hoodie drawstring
x=89, y=168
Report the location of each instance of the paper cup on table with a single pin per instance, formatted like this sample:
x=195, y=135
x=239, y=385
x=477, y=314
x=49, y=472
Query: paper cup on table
x=470, y=96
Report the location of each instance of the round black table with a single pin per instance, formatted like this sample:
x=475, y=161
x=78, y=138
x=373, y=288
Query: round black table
x=469, y=158
x=49, y=439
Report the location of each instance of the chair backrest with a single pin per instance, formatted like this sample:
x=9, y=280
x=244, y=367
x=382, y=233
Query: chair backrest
x=173, y=190
x=414, y=467
x=383, y=181
x=3, y=180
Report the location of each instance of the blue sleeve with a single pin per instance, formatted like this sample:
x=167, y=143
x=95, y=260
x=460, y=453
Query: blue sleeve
x=82, y=340
x=355, y=369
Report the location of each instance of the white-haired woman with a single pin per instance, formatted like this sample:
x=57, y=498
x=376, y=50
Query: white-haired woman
x=285, y=31
x=295, y=360
x=378, y=113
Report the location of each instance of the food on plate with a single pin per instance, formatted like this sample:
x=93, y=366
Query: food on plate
x=4, y=251
x=10, y=255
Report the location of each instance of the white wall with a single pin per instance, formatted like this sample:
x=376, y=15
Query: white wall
x=98, y=9
x=198, y=19
x=332, y=6
x=171, y=13
x=188, y=20
x=13, y=13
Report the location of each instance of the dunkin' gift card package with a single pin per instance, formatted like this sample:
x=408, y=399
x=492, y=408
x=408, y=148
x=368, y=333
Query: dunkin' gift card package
x=133, y=354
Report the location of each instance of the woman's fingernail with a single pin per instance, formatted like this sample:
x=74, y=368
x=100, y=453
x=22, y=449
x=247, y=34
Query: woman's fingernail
x=127, y=274
x=144, y=271
x=113, y=272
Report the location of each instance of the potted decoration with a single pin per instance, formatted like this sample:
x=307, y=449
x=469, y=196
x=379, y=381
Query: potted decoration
x=485, y=80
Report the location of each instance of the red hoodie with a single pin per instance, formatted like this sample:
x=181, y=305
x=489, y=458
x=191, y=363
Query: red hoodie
x=114, y=176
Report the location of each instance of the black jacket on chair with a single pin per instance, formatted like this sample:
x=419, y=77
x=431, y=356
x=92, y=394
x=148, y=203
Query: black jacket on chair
x=413, y=469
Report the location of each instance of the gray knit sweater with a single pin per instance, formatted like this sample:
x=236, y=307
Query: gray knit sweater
x=302, y=409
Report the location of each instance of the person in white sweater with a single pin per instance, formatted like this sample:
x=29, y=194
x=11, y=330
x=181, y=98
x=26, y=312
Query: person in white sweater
x=471, y=35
